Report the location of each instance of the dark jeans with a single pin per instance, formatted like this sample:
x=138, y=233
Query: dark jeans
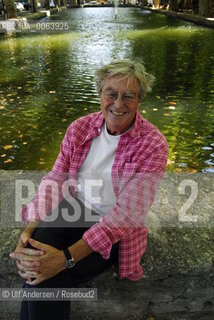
x=85, y=270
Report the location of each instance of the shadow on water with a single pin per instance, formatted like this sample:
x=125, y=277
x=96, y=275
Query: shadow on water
x=46, y=81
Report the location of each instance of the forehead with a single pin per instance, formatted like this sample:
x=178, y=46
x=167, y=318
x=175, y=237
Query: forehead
x=118, y=83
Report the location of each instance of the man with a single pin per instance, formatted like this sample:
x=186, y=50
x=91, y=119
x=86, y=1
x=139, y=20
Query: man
x=124, y=156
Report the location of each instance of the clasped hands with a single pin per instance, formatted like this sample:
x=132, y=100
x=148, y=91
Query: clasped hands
x=39, y=264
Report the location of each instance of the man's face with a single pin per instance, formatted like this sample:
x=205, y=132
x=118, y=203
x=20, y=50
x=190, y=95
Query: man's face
x=119, y=102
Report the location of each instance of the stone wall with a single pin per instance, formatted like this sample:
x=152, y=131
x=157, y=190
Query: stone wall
x=178, y=281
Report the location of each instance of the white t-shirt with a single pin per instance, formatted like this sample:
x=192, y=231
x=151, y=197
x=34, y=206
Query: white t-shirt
x=94, y=185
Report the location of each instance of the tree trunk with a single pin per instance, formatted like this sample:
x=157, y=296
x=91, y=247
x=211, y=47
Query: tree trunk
x=73, y=2
x=56, y=2
x=47, y=5
x=10, y=8
x=173, y=5
x=205, y=7
x=34, y=6
x=63, y=3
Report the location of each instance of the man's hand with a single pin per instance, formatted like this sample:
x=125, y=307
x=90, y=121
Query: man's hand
x=27, y=265
x=41, y=264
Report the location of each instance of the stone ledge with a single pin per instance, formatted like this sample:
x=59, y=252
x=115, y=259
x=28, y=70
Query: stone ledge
x=178, y=280
x=173, y=287
x=195, y=18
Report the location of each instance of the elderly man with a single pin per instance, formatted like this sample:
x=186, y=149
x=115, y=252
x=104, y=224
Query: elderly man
x=123, y=157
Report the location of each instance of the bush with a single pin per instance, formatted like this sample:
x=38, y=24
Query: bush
x=37, y=16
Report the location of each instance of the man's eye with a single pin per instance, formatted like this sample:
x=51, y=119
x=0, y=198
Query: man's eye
x=129, y=97
x=111, y=94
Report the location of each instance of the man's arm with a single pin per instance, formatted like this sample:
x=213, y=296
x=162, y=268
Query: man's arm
x=49, y=193
x=47, y=260
x=80, y=250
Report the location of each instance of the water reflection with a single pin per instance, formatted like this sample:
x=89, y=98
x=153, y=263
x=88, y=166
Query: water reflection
x=46, y=81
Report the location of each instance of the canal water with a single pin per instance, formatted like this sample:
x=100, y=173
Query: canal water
x=46, y=81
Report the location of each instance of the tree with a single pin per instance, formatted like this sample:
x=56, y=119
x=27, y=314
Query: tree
x=64, y=3
x=56, y=2
x=205, y=7
x=173, y=5
x=34, y=5
x=73, y=2
x=47, y=4
x=10, y=8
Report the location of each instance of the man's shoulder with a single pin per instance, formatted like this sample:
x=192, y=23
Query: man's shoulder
x=85, y=123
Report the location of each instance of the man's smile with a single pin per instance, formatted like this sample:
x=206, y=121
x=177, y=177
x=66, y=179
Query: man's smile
x=116, y=113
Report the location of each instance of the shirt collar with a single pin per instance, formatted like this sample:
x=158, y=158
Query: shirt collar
x=98, y=121
x=135, y=132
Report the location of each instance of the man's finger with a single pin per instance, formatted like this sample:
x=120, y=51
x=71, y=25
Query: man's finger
x=27, y=266
x=36, y=281
x=38, y=245
x=24, y=238
x=23, y=275
x=30, y=264
x=30, y=252
x=22, y=256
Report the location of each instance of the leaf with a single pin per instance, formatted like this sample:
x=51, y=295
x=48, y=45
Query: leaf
x=52, y=91
x=20, y=135
x=1, y=107
x=189, y=170
x=43, y=149
x=173, y=103
x=3, y=155
x=150, y=318
x=155, y=109
x=166, y=114
x=8, y=161
x=8, y=146
x=170, y=162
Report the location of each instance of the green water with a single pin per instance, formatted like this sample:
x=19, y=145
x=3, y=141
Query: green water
x=46, y=81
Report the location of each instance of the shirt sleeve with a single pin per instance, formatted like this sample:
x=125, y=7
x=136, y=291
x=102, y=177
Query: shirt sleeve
x=138, y=186
x=49, y=193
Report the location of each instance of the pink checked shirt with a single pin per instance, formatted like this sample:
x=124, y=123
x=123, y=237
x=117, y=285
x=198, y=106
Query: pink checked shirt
x=138, y=167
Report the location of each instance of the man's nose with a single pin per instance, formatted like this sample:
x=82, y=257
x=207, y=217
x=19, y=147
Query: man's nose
x=119, y=101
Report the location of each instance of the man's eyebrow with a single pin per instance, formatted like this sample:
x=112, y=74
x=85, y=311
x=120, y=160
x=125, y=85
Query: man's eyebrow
x=128, y=91
x=109, y=88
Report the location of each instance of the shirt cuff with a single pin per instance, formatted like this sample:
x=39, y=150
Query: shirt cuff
x=98, y=241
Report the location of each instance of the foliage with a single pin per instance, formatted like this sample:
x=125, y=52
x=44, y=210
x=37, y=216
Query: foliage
x=37, y=16
x=11, y=9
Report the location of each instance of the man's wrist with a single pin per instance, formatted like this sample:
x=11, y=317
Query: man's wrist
x=30, y=227
x=69, y=260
